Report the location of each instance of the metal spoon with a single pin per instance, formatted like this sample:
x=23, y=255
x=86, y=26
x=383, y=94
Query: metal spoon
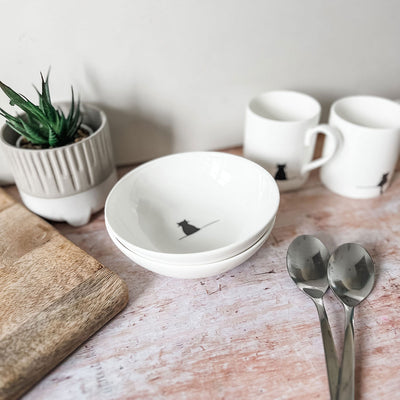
x=351, y=275
x=307, y=260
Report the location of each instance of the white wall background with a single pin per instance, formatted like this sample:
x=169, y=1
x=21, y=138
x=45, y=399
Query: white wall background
x=176, y=75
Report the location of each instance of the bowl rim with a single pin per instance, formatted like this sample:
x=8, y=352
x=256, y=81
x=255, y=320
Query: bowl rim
x=206, y=255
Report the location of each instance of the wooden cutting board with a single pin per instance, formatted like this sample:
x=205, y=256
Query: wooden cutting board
x=53, y=296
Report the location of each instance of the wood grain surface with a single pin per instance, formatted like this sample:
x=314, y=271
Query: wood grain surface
x=53, y=297
x=248, y=333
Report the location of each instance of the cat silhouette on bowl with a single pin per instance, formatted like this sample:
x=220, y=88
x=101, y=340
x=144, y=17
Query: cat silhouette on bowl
x=187, y=228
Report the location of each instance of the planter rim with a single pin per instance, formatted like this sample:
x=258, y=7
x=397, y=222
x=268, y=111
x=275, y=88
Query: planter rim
x=88, y=105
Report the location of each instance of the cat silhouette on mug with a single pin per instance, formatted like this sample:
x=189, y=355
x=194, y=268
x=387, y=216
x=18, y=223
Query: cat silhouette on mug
x=383, y=182
x=281, y=174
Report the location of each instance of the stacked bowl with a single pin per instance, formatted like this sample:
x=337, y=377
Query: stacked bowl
x=192, y=215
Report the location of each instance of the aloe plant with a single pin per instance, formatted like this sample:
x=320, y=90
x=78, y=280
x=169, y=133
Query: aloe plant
x=43, y=124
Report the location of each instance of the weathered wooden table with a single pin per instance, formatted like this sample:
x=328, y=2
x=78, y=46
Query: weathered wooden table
x=248, y=333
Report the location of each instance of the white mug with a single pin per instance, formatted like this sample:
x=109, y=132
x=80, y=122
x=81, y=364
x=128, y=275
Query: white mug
x=280, y=134
x=368, y=150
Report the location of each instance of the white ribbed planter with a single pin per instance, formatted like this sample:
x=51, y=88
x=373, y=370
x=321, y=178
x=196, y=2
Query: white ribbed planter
x=66, y=183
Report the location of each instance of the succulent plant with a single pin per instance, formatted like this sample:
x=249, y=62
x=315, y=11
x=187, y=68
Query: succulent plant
x=43, y=124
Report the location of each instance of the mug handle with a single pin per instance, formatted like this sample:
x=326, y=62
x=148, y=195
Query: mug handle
x=332, y=134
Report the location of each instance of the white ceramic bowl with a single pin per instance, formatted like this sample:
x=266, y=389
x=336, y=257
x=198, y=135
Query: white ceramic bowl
x=194, y=271
x=182, y=263
x=192, y=208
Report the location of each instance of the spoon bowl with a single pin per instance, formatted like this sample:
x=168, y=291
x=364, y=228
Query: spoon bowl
x=351, y=273
x=307, y=260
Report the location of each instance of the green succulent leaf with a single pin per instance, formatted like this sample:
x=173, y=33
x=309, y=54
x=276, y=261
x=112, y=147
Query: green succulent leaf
x=21, y=101
x=35, y=135
x=8, y=116
x=43, y=124
x=45, y=101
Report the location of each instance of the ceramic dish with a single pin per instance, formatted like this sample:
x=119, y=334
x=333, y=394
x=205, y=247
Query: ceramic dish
x=192, y=208
x=112, y=233
x=193, y=271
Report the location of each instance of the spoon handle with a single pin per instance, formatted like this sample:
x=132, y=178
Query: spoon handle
x=332, y=364
x=346, y=372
